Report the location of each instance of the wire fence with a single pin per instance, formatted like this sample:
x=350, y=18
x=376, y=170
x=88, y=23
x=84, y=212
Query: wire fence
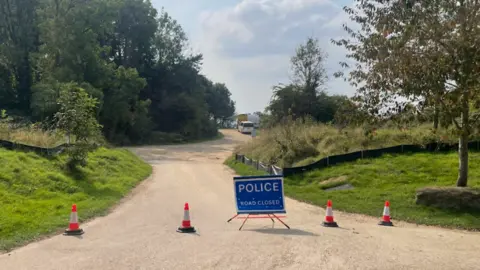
x=270, y=169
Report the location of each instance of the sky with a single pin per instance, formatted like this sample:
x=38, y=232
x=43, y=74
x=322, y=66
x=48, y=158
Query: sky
x=247, y=44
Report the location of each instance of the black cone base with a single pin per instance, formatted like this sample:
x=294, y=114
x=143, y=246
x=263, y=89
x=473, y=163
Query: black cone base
x=385, y=223
x=186, y=230
x=330, y=224
x=73, y=232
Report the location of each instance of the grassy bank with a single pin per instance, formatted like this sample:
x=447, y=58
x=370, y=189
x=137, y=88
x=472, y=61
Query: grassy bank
x=36, y=193
x=298, y=143
x=31, y=135
x=393, y=178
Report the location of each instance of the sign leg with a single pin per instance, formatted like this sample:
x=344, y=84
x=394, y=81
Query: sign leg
x=232, y=218
x=281, y=221
x=271, y=218
x=273, y=221
x=244, y=222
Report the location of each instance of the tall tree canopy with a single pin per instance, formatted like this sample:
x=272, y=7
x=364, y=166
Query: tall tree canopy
x=124, y=53
x=304, y=96
x=424, y=51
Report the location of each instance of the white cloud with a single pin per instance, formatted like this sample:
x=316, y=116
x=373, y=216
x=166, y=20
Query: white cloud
x=248, y=46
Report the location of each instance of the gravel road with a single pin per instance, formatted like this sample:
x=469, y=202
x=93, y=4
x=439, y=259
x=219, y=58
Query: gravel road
x=140, y=232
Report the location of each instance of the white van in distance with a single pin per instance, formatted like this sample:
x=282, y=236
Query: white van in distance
x=245, y=127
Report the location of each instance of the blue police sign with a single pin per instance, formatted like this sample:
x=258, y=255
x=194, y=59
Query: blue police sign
x=259, y=194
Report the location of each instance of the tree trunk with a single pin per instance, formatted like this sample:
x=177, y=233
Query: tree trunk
x=463, y=161
x=463, y=144
x=435, y=117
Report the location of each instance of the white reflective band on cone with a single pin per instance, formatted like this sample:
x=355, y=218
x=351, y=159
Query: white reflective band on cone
x=329, y=212
x=73, y=218
x=186, y=215
x=386, y=211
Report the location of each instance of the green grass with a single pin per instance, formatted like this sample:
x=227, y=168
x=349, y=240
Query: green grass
x=393, y=178
x=242, y=169
x=36, y=193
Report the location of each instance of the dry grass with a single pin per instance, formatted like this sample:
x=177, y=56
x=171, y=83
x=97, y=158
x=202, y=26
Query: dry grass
x=333, y=182
x=298, y=143
x=31, y=135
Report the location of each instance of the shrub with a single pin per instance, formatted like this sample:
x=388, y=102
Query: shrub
x=76, y=117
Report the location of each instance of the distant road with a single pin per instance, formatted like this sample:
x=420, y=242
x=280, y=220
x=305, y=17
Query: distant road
x=140, y=233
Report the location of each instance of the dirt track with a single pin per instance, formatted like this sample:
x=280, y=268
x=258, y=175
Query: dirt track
x=140, y=233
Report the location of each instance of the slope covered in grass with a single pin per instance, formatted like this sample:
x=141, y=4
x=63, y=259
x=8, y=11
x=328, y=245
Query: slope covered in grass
x=36, y=193
x=393, y=178
x=31, y=135
x=297, y=143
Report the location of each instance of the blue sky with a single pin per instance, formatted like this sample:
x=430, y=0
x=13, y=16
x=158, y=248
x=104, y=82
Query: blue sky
x=247, y=44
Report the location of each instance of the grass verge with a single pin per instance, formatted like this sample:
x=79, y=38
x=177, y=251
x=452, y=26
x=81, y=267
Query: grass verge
x=393, y=178
x=36, y=193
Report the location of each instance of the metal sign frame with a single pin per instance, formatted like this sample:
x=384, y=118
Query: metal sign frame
x=270, y=213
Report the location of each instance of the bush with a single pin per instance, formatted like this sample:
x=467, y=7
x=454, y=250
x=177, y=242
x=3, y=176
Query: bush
x=451, y=198
x=76, y=117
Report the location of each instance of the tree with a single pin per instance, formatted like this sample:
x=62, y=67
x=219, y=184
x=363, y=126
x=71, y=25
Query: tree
x=132, y=59
x=134, y=34
x=308, y=71
x=327, y=106
x=70, y=33
x=350, y=114
x=76, y=117
x=220, y=106
x=18, y=40
x=307, y=66
x=177, y=91
x=425, y=49
x=171, y=42
x=291, y=101
x=286, y=101
x=122, y=95
x=304, y=96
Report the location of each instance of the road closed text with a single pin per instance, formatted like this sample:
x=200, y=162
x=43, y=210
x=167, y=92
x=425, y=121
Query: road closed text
x=260, y=203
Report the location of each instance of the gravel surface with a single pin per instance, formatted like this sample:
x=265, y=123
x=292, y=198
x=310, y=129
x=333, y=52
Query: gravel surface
x=141, y=232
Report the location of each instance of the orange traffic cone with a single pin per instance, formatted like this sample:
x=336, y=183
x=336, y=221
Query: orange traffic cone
x=329, y=222
x=74, y=227
x=186, y=226
x=386, y=215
